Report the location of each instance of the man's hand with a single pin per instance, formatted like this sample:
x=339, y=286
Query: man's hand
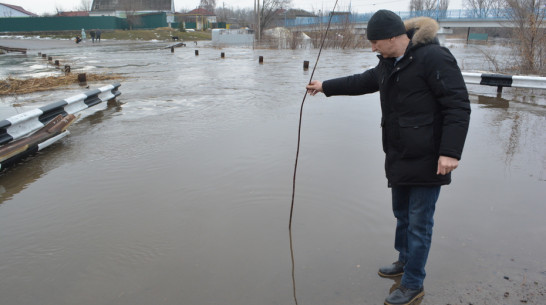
x=314, y=87
x=446, y=165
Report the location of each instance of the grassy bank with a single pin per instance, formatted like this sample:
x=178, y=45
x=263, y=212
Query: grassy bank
x=154, y=34
x=16, y=86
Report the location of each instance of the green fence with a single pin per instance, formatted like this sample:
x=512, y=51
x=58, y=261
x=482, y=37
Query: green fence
x=190, y=25
x=477, y=36
x=148, y=21
x=34, y=24
x=43, y=24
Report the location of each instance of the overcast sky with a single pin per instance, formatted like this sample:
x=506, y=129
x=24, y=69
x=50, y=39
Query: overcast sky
x=361, y=6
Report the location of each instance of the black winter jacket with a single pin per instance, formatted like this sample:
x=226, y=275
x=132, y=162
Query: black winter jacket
x=424, y=103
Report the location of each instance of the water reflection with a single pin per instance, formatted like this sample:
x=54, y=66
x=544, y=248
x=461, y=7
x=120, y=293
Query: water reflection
x=16, y=178
x=511, y=116
x=491, y=102
x=97, y=117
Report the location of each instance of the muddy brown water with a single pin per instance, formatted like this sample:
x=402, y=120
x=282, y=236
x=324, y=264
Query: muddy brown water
x=179, y=193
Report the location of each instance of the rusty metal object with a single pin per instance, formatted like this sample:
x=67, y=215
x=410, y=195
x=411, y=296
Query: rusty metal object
x=8, y=49
x=50, y=133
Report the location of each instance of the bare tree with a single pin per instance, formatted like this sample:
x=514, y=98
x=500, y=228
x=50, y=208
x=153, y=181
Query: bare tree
x=58, y=9
x=209, y=5
x=422, y=5
x=482, y=8
x=85, y=5
x=243, y=17
x=344, y=36
x=529, y=33
x=429, y=8
x=268, y=11
x=130, y=8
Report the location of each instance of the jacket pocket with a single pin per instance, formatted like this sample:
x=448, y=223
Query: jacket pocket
x=416, y=136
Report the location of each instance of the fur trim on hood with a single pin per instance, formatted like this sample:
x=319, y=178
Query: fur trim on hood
x=422, y=30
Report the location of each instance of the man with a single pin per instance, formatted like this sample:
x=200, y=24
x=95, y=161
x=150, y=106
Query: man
x=425, y=116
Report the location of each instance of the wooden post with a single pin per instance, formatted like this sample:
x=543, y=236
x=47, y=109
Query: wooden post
x=222, y=55
x=66, y=69
x=49, y=58
x=305, y=65
x=57, y=64
x=82, y=79
x=261, y=60
x=196, y=52
x=172, y=49
x=44, y=55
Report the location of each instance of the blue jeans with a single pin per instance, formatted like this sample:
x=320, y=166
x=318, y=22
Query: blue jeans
x=413, y=207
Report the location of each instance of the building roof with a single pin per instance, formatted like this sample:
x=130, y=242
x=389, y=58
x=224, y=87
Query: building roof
x=201, y=12
x=72, y=14
x=132, y=5
x=18, y=8
x=293, y=13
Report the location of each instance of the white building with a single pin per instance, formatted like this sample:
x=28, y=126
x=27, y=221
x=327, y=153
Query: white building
x=8, y=10
x=122, y=8
x=232, y=37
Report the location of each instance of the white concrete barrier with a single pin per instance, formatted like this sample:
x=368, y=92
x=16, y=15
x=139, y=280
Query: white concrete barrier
x=23, y=124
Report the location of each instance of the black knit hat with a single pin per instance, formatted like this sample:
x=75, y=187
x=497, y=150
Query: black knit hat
x=385, y=24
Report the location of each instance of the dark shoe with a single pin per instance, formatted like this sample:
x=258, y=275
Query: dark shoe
x=393, y=270
x=404, y=296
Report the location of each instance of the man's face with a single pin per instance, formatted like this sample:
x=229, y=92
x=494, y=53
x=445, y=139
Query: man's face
x=385, y=47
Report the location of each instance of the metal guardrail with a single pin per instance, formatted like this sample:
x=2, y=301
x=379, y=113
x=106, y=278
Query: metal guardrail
x=8, y=49
x=23, y=124
x=501, y=80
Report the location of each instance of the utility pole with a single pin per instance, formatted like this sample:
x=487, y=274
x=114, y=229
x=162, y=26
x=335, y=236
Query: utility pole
x=259, y=22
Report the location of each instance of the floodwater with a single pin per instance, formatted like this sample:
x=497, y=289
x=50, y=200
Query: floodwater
x=179, y=192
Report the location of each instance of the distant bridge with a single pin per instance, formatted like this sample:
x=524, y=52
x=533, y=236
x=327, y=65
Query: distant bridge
x=446, y=19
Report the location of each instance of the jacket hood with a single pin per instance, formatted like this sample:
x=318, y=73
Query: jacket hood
x=422, y=30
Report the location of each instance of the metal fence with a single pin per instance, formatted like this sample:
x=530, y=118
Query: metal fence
x=497, y=14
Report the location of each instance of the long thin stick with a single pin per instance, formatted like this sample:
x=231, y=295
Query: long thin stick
x=297, y=155
x=301, y=114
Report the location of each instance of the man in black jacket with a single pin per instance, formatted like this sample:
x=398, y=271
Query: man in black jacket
x=425, y=116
